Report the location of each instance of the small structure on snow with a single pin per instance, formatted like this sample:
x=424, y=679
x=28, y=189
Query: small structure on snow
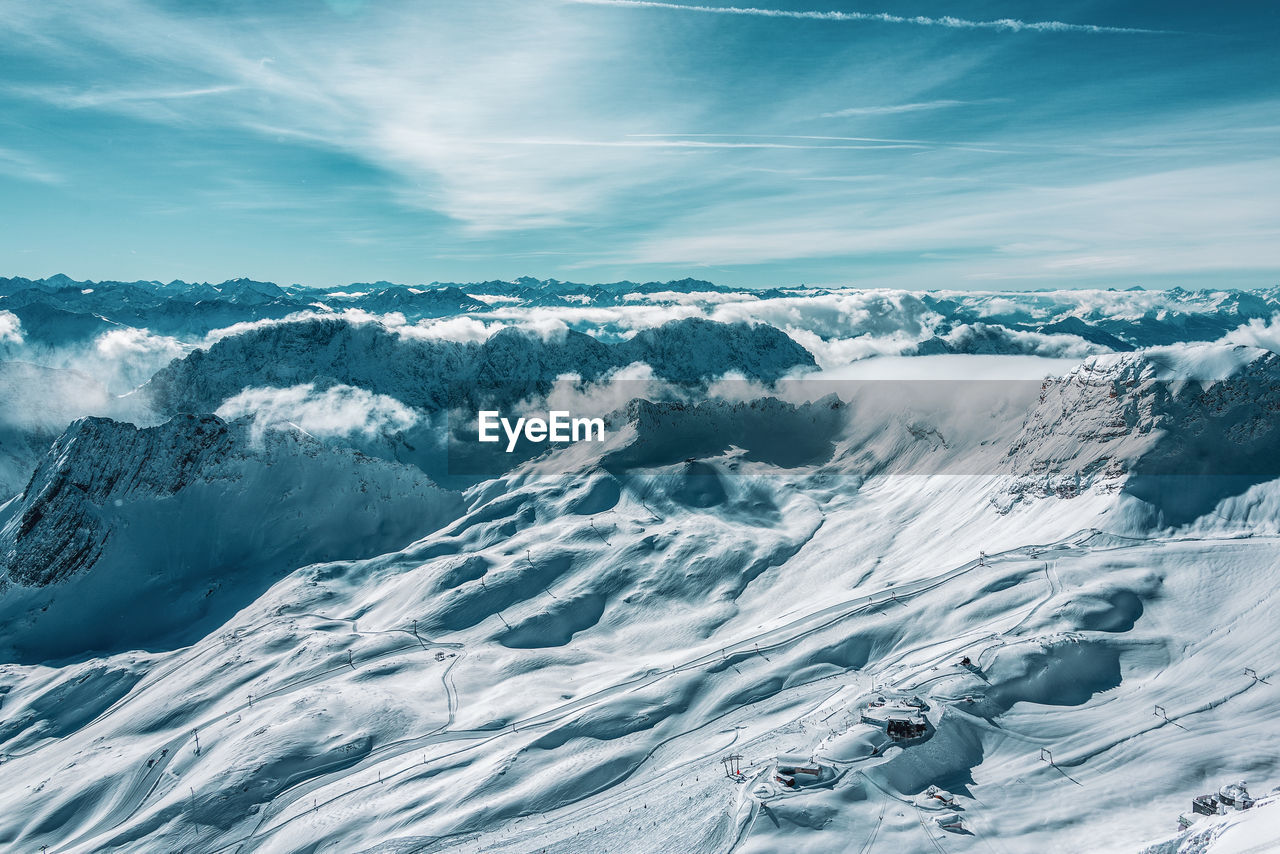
x=1230, y=796
x=1235, y=795
x=940, y=795
x=794, y=771
x=1205, y=805
x=905, y=729
x=937, y=800
x=900, y=719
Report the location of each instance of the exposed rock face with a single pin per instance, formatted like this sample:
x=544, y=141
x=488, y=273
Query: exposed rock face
x=59, y=530
x=512, y=365
x=100, y=468
x=1117, y=423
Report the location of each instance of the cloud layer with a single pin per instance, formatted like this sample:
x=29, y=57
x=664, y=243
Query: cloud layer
x=341, y=411
x=10, y=328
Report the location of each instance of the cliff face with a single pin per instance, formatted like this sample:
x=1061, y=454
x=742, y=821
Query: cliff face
x=128, y=535
x=1129, y=422
x=59, y=528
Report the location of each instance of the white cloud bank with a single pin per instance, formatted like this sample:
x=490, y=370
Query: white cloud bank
x=341, y=411
x=10, y=328
x=1265, y=335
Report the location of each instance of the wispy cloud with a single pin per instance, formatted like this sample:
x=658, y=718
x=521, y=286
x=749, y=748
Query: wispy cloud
x=894, y=109
x=1004, y=24
x=78, y=99
x=405, y=98
x=678, y=140
x=1125, y=226
x=15, y=164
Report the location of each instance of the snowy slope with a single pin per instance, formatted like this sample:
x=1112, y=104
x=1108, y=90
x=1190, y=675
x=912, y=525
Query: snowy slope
x=502, y=703
x=1255, y=830
x=761, y=633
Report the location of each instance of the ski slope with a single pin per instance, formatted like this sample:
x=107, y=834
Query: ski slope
x=607, y=735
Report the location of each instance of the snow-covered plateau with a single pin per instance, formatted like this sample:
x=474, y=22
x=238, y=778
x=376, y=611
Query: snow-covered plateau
x=852, y=571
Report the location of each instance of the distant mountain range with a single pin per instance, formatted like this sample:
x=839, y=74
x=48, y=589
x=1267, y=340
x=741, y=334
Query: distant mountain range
x=59, y=311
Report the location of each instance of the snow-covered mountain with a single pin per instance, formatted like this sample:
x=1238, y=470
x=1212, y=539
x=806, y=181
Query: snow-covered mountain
x=792, y=601
x=434, y=374
x=1181, y=430
x=154, y=536
x=59, y=311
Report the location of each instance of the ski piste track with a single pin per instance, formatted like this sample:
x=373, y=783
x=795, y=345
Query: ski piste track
x=396, y=759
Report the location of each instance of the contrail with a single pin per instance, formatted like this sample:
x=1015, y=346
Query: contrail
x=890, y=109
x=1005, y=24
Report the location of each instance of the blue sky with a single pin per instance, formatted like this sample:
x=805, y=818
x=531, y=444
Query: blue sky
x=903, y=143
